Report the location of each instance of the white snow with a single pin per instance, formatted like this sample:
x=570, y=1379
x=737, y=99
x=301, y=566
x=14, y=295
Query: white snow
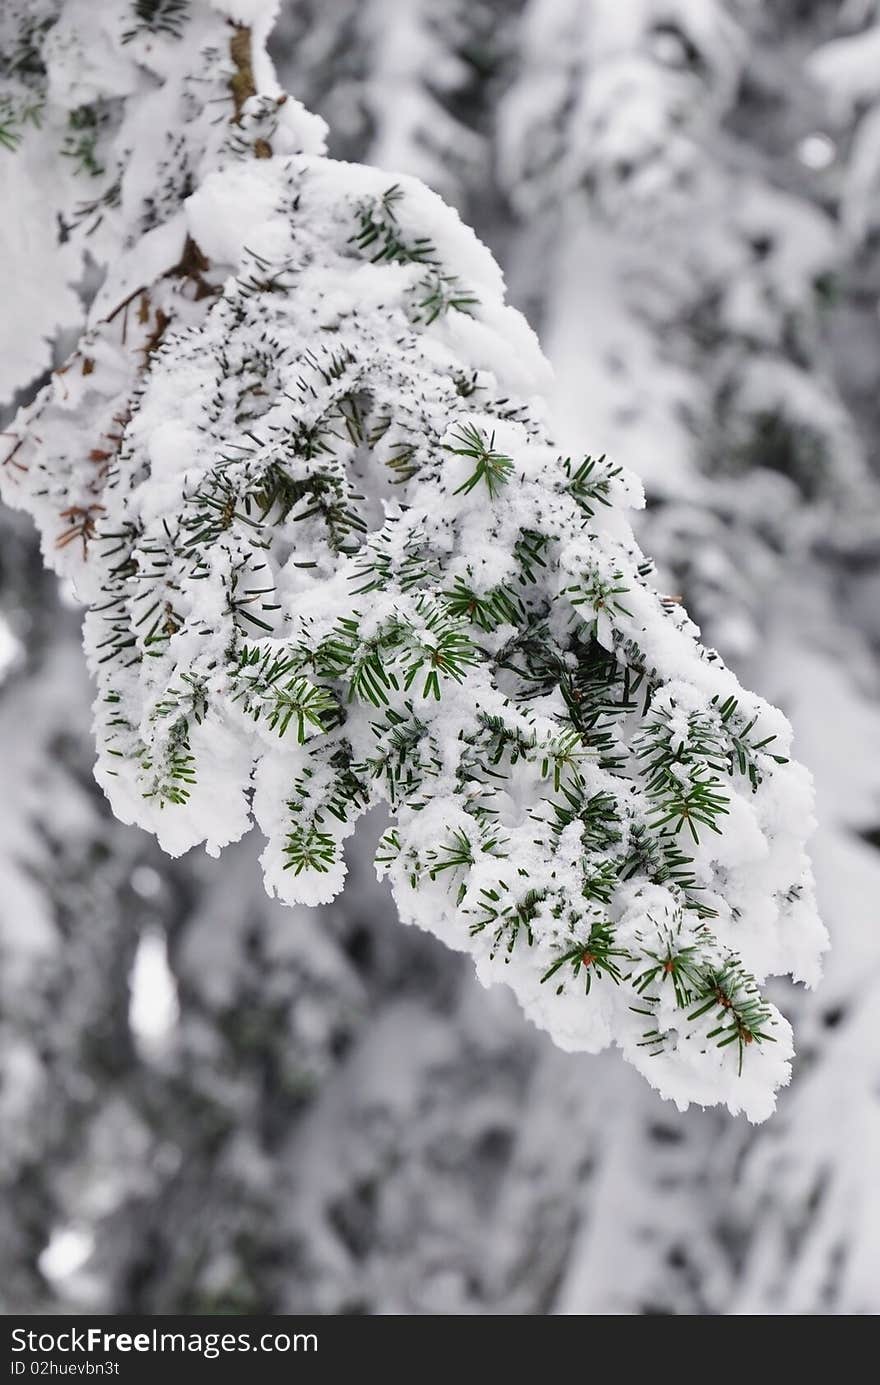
x=264, y=524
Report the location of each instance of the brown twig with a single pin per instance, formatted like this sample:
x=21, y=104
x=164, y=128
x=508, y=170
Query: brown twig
x=83, y=518
x=10, y=455
x=241, y=83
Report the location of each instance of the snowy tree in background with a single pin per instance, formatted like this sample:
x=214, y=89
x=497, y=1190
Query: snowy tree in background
x=723, y=276
x=406, y=81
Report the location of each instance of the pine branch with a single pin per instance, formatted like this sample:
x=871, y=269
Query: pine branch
x=492, y=468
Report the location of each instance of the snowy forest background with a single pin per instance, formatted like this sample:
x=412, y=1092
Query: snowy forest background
x=210, y=1103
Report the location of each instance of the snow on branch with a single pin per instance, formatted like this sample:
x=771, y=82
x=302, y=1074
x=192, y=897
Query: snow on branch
x=300, y=472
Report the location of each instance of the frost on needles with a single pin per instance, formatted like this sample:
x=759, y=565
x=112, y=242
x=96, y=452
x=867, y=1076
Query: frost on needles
x=300, y=471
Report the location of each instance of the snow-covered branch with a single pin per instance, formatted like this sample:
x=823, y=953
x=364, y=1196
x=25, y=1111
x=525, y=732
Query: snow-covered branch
x=301, y=473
